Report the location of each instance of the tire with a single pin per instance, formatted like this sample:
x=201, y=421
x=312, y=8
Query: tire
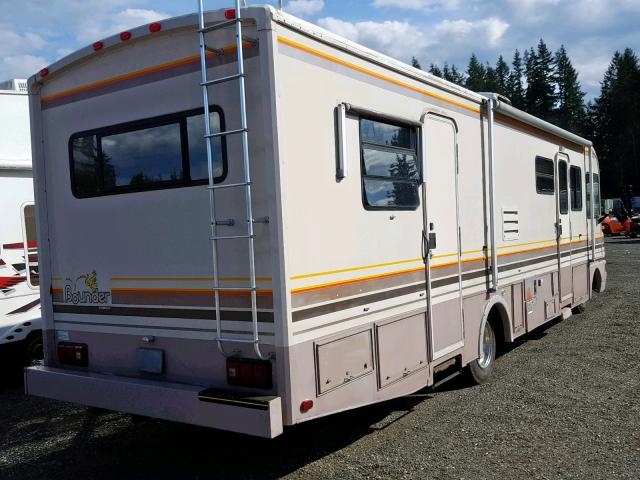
x=33, y=351
x=479, y=371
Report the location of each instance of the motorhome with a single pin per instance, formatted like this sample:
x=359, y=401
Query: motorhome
x=247, y=222
x=20, y=322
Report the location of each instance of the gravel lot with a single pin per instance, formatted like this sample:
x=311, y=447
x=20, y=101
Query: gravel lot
x=564, y=403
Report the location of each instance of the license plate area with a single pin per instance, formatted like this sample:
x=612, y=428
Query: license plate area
x=150, y=360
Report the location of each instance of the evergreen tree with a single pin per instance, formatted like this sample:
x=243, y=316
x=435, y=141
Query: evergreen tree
x=515, y=90
x=616, y=124
x=452, y=74
x=435, y=70
x=476, y=75
x=502, y=77
x=540, y=95
x=415, y=63
x=570, y=111
x=491, y=79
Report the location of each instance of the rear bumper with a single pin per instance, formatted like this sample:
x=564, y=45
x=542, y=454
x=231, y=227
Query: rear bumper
x=169, y=401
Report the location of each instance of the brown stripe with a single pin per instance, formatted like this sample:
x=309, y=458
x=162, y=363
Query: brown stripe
x=377, y=297
x=227, y=315
x=190, y=65
x=26, y=308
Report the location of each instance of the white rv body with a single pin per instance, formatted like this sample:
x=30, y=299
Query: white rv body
x=19, y=295
x=355, y=304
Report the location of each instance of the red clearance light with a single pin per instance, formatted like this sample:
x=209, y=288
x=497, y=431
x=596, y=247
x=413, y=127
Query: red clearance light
x=124, y=36
x=155, y=27
x=306, y=405
x=230, y=14
x=44, y=72
x=243, y=372
x=98, y=46
x=76, y=354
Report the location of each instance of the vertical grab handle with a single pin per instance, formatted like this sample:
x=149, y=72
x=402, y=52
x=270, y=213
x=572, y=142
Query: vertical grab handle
x=341, y=120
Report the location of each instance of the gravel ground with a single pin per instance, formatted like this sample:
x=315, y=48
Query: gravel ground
x=563, y=403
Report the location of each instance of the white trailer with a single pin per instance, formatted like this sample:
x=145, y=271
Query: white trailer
x=20, y=322
x=360, y=270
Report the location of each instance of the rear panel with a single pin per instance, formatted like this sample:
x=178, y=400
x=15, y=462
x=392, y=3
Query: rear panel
x=128, y=214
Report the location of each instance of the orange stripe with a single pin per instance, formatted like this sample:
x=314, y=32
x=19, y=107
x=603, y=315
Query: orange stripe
x=433, y=267
x=136, y=74
x=379, y=76
x=196, y=291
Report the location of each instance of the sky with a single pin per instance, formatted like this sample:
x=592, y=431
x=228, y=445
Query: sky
x=34, y=33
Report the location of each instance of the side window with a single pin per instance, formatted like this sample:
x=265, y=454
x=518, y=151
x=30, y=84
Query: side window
x=562, y=187
x=575, y=181
x=545, y=179
x=596, y=196
x=390, y=170
x=162, y=152
x=30, y=244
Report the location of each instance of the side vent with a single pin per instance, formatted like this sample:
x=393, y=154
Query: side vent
x=510, y=224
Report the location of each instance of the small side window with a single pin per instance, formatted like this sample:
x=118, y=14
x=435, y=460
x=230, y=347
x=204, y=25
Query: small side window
x=545, y=179
x=575, y=181
x=390, y=169
x=563, y=192
x=30, y=244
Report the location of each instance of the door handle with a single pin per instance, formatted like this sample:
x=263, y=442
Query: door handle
x=559, y=229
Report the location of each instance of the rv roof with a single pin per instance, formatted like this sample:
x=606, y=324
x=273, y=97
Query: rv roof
x=262, y=13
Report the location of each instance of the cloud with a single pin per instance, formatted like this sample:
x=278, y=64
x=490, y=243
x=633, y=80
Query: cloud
x=489, y=30
x=395, y=38
x=418, y=4
x=20, y=66
x=304, y=8
x=104, y=25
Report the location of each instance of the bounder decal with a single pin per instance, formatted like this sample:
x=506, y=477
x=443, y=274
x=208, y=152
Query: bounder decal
x=84, y=290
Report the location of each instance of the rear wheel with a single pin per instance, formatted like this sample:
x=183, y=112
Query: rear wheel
x=480, y=369
x=33, y=351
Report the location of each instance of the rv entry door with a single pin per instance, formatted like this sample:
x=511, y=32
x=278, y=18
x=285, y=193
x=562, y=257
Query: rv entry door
x=441, y=235
x=563, y=229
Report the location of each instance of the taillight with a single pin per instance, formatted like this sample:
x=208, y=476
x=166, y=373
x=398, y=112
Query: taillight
x=230, y=14
x=243, y=372
x=76, y=354
x=306, y=405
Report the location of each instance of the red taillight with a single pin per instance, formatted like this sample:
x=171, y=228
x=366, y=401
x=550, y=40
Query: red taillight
x=124, y=36
x=76, y=354
x=98, y=46
x=44, y=72
x=306, y=405
x=249, y=373
x=155, y=27
x=230, y=14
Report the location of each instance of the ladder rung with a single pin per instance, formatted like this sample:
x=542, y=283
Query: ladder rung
x=217, y=26
x=237, y=340
x=232, y=237
x=229, y=185
x=235, y=289
x=208, y=83
x=228, y=132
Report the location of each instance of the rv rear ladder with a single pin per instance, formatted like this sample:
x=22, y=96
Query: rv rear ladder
x=245, y=184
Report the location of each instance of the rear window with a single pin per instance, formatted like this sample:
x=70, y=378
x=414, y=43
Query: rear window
x=162, y=152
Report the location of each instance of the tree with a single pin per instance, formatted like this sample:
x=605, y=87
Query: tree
x=476, y=75
x=453, y=75
x=502, y=77
x=435, y=70
x=540, y=95
x=616, y=125
x=570, y=111
x=491, y=80
x=515, y=90
x=415, y=63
